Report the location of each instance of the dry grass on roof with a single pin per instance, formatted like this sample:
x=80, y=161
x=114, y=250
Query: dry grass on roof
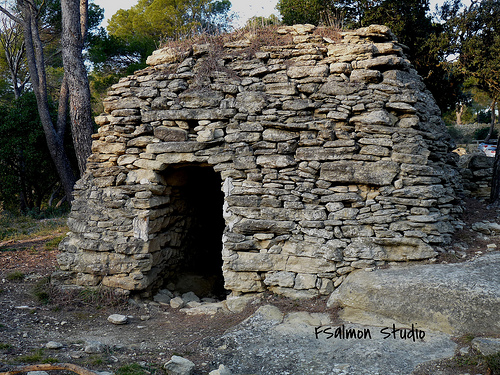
x=252, y=38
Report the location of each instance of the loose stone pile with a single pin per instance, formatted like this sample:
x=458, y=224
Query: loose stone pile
x=331, y=156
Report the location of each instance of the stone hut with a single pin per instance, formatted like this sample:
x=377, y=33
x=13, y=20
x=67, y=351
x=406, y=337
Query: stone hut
x=279, y=167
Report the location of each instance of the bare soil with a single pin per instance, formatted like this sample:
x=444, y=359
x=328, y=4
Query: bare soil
x=155, y=332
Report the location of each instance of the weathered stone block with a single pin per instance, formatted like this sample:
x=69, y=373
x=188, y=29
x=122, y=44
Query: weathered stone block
x=168, y=134
x=246, y=282
x=280, y=278
x=376, y=173
x=305, y=281
x=251, y=226
x=108, y=148
x=257, y=262
x=177, y=147
x=276, y=161
x=309, y=265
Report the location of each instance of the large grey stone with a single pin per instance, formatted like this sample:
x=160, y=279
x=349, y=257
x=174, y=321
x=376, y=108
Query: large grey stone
x=453, y=298
x=179, y=366
x=272, y=343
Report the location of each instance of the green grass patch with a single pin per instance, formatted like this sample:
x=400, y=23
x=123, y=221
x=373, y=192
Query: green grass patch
x=4, y=346
x=19, y=227
x=6, y=249
x=493, y=362
x=38, y=356
x=132, y=369
x=54, y=243
x=15, y=276
x=468, y=360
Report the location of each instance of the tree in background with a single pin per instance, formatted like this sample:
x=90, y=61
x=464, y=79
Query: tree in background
x=43, y=23
x=135, y=33
x=475, y=42
x=28, y=18
x=27, y=174
x=411, y=22
x=340, y=13
x=12, y=58
x=161, y=20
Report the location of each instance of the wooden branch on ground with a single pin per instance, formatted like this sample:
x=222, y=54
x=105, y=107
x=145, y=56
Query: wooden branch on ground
x=47, y=367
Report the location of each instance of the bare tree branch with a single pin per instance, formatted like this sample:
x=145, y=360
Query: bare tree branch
x=10, y=15
x=47, y=367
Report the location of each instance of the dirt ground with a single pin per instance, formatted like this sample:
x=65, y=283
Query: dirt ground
x=155, y=332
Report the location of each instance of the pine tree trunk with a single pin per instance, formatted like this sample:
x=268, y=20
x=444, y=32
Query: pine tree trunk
x=74, y=15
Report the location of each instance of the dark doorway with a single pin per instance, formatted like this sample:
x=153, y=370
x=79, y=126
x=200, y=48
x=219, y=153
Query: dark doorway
x=198, y=199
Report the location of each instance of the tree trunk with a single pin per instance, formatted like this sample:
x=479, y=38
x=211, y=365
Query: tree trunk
x=62, y=109
x=495, y=183
x=74, y=28
x=493, y=113
x=36, y=66
x=493, y=120
x=495, y=180
x=459, y=111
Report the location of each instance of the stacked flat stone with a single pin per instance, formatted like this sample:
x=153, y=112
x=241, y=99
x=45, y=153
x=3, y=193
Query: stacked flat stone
x=332, y=155
x=477, y=171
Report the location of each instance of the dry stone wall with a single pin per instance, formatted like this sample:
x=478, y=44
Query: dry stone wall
x=330, y=154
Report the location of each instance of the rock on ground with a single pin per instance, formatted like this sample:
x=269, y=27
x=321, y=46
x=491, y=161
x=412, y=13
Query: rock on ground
x=455, y=298
x=179, y=366
x=272, y=343
x=117, y=319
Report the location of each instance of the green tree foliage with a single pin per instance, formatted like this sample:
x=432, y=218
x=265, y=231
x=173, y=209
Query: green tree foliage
x=300, y=11
x=27, y=173
x=161, y=20
x=341, y=13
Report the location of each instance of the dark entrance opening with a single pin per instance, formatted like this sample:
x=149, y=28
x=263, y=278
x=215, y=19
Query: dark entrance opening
x=198, y=201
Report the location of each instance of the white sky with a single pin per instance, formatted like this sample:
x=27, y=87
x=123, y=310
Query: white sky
x=245, y=9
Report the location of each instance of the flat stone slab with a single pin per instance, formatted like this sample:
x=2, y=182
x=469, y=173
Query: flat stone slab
x=454, y=298
x=272, y=343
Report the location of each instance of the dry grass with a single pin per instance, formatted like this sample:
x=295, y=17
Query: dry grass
x=252, y=37
x=18, y=227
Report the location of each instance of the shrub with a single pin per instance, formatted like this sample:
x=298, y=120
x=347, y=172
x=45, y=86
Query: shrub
x=482, y=133
x=16, y=276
